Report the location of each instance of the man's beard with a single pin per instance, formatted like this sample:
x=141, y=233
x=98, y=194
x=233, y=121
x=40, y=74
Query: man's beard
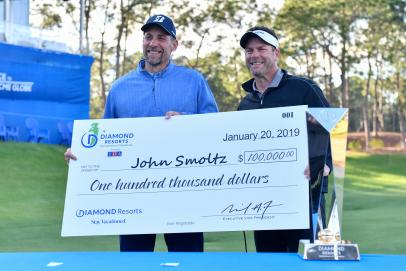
x=154, y=60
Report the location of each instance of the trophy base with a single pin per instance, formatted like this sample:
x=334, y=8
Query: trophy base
x=322, y=251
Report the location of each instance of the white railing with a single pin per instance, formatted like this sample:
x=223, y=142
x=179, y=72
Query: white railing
x=60, y=41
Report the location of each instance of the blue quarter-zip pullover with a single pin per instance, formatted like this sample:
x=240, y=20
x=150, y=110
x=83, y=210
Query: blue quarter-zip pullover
x=176, y=88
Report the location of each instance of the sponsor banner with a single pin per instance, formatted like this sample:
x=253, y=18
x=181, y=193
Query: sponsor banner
x=51, y=87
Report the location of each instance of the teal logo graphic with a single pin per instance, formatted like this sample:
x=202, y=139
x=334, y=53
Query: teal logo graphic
x=90, y=138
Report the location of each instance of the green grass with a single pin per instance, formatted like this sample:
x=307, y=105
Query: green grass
x=32, y=194
x=375, y=202
x=32, y=183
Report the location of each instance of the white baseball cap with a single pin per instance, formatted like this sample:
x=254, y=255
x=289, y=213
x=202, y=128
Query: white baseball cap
x=261, y=34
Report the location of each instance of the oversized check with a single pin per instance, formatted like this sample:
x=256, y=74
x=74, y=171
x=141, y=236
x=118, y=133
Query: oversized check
x=209, y=172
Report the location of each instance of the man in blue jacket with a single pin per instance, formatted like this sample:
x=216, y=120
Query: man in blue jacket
x=158, y=87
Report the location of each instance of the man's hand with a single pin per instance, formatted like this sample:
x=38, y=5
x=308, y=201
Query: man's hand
x=326, y=170
x=69, y=155
x=307, y=172
x=170, y=114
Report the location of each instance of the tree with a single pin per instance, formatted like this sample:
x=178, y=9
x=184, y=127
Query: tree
x=102, y=64
x=397, y=56
x=202, y=17
x=89, y=6
x=50, y=13
x=382, y=47
x=131, y=12
x=364, y=40
x=223, y=79
x=329, y=25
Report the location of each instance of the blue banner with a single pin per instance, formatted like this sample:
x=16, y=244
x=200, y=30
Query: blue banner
x=41, y=93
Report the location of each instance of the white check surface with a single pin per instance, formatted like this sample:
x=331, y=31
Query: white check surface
x=211, y=172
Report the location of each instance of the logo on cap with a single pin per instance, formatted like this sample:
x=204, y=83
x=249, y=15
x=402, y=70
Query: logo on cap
x=159, y=19
x=162, y=21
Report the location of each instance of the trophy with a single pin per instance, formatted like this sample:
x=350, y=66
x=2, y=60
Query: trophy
x=327, y=136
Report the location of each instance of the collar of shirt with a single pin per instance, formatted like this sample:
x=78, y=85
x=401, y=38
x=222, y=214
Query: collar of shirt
x=141, y=68
x=275, y=82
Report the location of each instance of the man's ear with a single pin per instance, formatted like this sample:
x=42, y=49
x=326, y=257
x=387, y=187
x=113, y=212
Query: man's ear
x=174, y=44
x=277, y=52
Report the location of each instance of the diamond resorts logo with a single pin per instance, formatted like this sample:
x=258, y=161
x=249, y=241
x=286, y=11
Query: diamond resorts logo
x=90, y=138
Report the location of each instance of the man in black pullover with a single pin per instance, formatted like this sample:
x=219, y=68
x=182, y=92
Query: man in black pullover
x=273, y=87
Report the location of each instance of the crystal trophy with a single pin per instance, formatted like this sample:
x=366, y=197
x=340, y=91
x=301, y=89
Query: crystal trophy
x=327, y=136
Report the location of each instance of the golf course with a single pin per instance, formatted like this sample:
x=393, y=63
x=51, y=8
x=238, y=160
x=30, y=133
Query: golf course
x=32, y=193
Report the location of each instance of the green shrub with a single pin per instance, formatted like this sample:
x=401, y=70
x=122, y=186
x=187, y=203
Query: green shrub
x=355, y=145
x=376, y=143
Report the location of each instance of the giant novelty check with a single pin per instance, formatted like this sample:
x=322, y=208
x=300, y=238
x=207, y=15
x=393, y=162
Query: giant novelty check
x=209, y=172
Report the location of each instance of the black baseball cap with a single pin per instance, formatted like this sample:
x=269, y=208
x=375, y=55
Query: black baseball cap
x=262, y=33
x=163, y=22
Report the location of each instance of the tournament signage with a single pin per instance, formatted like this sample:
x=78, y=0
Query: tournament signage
x=8, y=84
x=47, y=86
x=209, y=172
